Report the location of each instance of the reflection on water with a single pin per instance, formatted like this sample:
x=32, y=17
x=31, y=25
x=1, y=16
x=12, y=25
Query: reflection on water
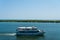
x=29, y=37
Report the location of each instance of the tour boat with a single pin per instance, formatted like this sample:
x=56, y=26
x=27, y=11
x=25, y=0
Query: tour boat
x=29, y=31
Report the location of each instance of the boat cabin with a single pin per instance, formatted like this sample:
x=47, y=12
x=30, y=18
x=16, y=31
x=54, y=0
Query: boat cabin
x=26, y=28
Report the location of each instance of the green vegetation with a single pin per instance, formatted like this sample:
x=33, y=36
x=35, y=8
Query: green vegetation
x=52, y=21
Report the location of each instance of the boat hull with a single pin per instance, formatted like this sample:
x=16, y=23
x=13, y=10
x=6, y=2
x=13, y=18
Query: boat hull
x=30, y=34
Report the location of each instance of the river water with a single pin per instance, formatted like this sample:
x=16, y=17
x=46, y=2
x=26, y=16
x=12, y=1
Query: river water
x=8, y=31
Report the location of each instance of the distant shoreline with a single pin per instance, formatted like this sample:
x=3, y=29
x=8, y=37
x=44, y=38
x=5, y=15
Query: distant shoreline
x=44, y=21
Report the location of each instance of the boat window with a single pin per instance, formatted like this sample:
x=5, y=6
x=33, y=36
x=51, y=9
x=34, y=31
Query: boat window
x=29, y=31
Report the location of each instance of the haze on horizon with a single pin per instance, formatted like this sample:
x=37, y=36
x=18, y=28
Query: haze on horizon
x=30, y=9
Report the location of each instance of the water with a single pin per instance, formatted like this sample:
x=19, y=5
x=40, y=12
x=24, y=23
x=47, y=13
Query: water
x=8, y=31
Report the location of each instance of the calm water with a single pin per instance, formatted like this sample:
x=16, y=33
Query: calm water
x=8, y=29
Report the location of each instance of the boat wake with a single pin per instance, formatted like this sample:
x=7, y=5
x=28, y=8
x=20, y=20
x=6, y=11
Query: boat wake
x=7, y=34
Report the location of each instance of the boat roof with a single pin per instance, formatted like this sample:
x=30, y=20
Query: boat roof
x=27, y=27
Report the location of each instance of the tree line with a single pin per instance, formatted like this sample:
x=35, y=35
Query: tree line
x=52, y=21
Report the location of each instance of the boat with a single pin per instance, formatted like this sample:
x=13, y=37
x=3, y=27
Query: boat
x=29, y=31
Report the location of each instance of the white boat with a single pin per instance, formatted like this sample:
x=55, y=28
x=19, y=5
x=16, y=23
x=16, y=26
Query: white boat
x=29, y=31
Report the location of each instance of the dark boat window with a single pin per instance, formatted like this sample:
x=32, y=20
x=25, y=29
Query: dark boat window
x=29, y=31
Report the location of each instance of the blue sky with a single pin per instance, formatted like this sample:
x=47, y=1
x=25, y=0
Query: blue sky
x=30, y=9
